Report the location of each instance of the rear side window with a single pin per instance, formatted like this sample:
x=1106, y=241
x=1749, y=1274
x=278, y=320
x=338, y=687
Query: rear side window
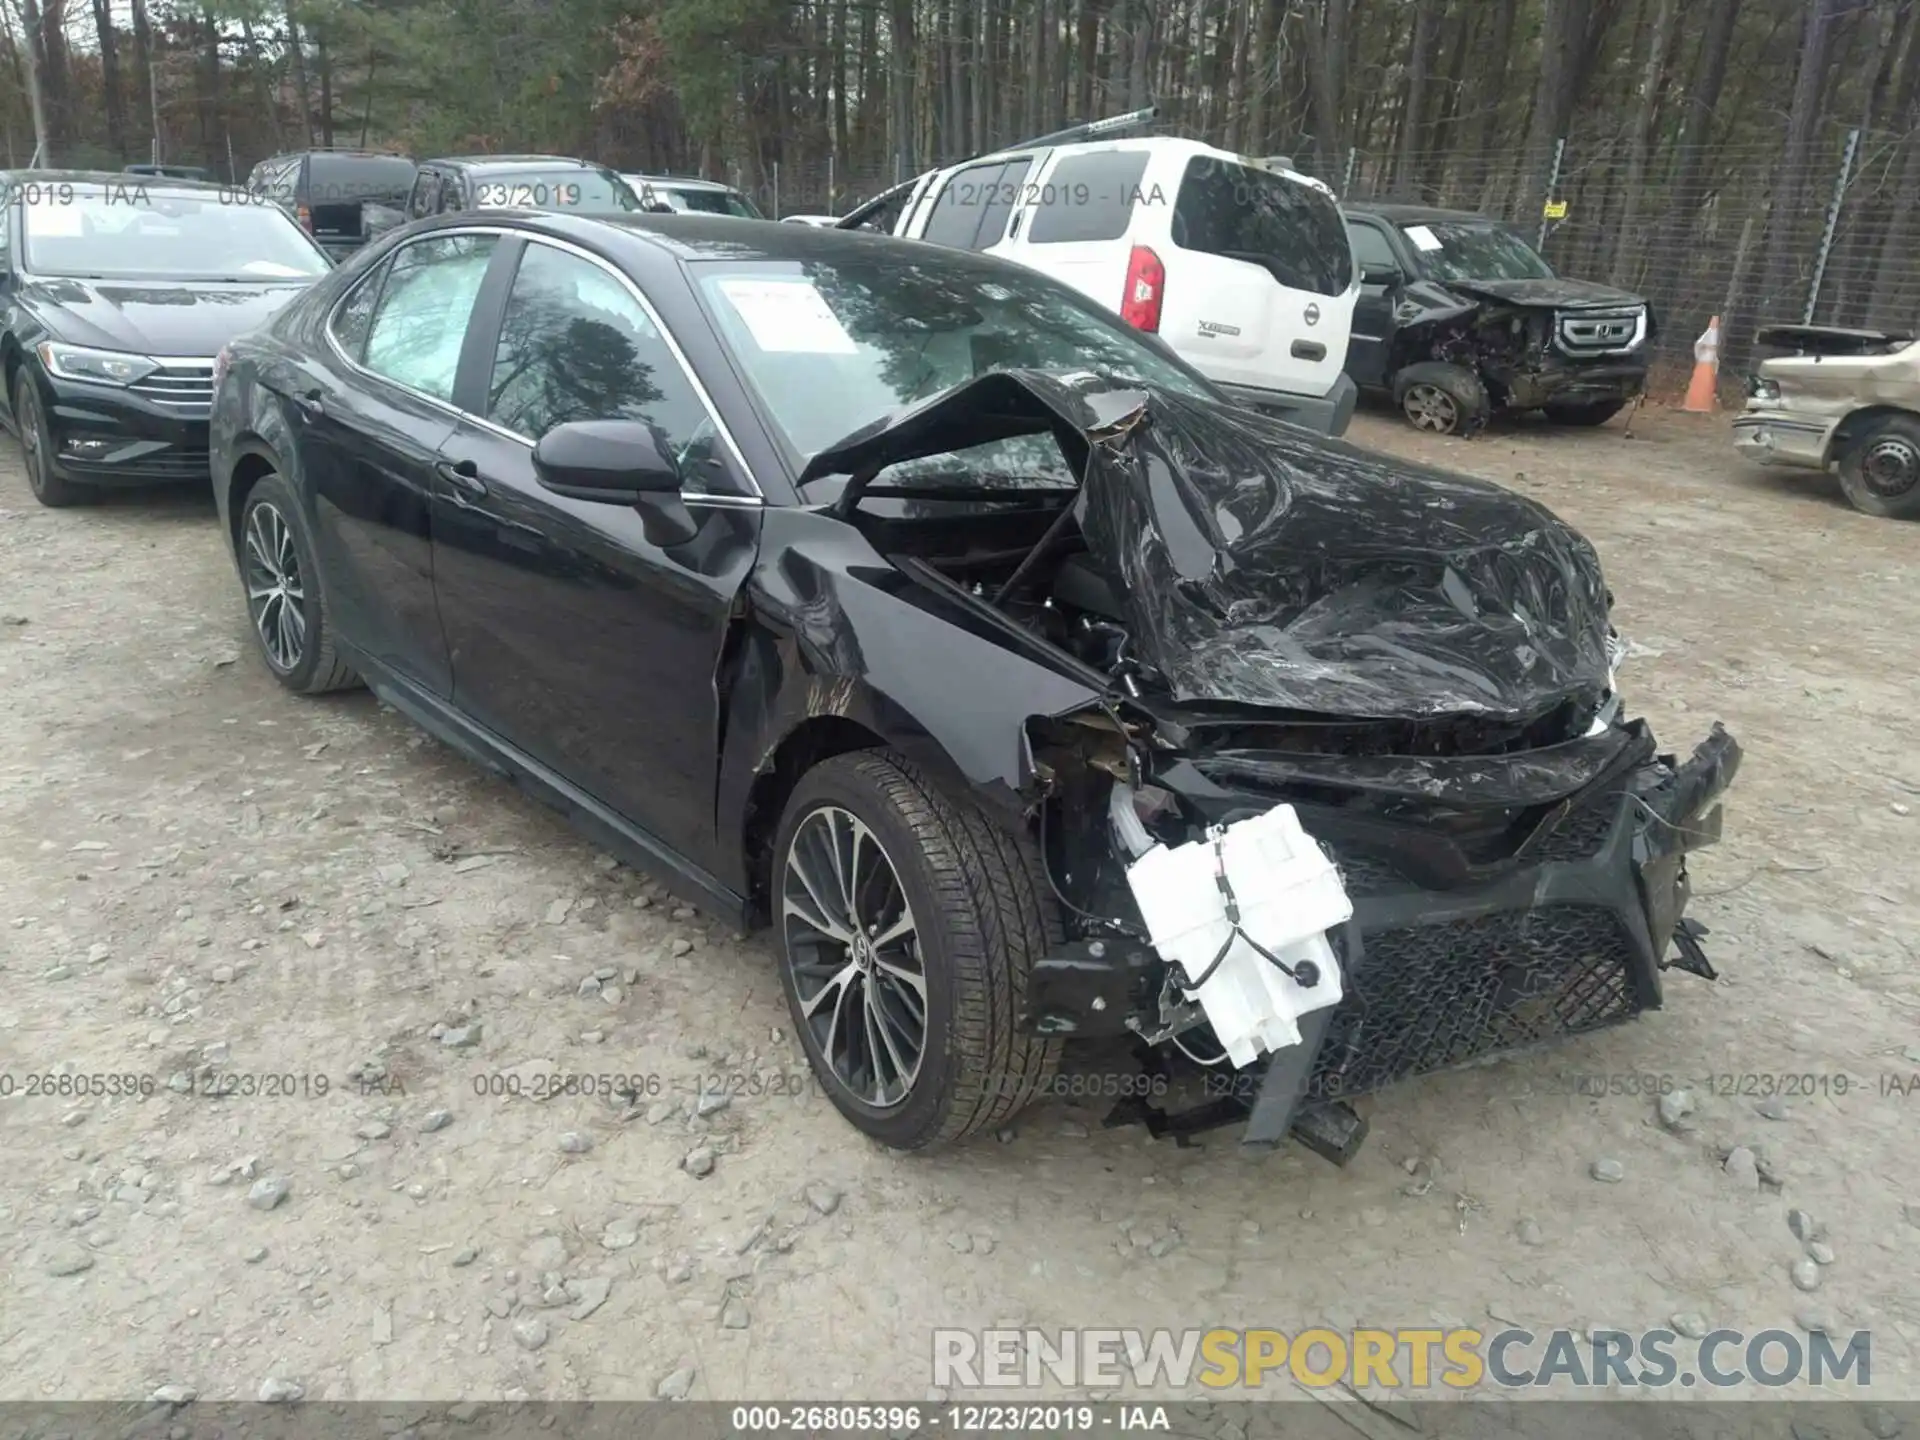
x=421, y=322
x=1293, y=230
x=1088, y=197
x=962, y=209
x=354, y=317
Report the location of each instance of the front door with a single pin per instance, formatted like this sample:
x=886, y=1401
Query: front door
x=574, y=637
x=1370, y=349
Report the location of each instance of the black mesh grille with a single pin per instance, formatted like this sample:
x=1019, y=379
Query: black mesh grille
x=1579, y=835
x=1368, y=874
x=1434, y=996
x=169, y=464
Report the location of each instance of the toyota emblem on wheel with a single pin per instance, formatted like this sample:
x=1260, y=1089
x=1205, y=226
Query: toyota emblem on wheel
x=1313, y=314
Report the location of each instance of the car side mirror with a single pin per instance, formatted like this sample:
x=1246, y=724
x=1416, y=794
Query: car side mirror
x=617, y=462
x=1388, y=275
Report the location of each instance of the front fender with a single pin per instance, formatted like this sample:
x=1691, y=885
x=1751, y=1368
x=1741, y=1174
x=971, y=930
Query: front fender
x=832, y=630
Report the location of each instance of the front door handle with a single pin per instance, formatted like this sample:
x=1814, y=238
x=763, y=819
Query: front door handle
x=462, y=475
x=312, y=403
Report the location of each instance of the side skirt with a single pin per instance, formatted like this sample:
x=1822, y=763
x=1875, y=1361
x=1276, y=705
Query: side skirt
x=615, y=834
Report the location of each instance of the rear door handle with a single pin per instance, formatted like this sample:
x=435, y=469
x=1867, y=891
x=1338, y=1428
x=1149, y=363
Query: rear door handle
x=462, y=475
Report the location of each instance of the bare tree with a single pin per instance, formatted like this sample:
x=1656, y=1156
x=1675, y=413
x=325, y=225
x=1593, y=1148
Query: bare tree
x=1640, y=136
x=1411, y=112
x=31, y=20
x=116, y=100
x=1790, y=186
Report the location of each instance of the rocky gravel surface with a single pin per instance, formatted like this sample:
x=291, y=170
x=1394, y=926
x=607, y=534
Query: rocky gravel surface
x=337, y=1070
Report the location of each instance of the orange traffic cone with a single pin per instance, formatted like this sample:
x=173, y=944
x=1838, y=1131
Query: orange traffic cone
x=1703, y=390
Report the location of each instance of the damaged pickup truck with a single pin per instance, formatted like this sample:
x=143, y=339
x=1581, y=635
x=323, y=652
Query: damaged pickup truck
x=1054, y=710
x=1458, y=317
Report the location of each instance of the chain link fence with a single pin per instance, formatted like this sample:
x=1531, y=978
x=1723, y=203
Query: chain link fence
x=1730, y=230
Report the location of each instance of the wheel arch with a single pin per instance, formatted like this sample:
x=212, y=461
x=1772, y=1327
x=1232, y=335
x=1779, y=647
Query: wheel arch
x=1858, y=424
x=815, y=739
x=253, y=461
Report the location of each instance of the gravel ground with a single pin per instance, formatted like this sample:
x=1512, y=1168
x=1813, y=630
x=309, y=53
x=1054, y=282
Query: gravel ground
x=208, y=885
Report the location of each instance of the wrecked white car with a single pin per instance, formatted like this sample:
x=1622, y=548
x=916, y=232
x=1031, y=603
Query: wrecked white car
x=1839, y=399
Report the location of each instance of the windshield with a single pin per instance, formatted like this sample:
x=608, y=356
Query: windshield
x=137, y=232
x=1454, y=251
x=567, y=188
x=832, y=346
x=708, y=202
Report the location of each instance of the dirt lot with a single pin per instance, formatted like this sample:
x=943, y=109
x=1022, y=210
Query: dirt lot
x=201, y=876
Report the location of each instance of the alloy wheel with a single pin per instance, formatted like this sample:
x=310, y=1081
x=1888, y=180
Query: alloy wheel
x=853, y=949
x=31, y=448
x=1431, y=408
x=1891, y=466
x=276, y=592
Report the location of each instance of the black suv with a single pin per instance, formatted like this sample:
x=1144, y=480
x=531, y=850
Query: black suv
x=1459, y=316
x=503, y=182
x=325, y=190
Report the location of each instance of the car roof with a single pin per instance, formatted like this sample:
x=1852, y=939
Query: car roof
x=512, y=162
x=121, y=179
x=700, y=235
x=681, y=182
x=1409, y=213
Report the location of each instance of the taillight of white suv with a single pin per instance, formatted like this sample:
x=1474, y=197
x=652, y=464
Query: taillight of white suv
x=1146, y=288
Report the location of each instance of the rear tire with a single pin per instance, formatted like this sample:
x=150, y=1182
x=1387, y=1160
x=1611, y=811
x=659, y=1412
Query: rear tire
x=1441, y=398
x=286, y=594
x=36, y=447
x=1590, y=412
x=937, y=933
x=1880, y=472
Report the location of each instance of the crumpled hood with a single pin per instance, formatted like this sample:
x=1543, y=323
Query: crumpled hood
x=1264, y=565
x=1558, y=292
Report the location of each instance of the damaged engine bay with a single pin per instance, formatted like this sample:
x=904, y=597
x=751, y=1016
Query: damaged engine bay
x=1357, y=800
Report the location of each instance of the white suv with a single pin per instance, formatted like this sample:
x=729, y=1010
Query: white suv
x=1242, y=267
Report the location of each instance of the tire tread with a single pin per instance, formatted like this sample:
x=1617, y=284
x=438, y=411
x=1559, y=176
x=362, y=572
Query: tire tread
x=998, y=919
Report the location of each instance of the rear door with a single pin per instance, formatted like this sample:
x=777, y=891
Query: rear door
x=1259, y=287
x=369, y=415
x=338, y=186
x=1074, y=218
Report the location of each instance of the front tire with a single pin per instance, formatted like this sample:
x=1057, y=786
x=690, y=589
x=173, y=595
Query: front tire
x=1588, y=412
x=908, y=925
x=286, y=599
x=36, y=447
x=1880, y=472
x=1442, y=399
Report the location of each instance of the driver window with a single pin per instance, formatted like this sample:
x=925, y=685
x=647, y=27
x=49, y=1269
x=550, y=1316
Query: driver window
x=574, y=345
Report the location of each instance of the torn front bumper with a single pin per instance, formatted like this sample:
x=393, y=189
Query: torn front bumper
x=1451, y=956
x=1564, y=383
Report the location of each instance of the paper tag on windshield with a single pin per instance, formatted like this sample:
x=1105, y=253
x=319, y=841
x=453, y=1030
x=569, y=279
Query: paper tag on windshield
x=53, y=220
x=1422, y=237
x=788, y=316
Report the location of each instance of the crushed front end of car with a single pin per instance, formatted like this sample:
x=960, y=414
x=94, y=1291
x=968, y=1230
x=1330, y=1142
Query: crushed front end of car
x=1357, y=801
x=1576, y=350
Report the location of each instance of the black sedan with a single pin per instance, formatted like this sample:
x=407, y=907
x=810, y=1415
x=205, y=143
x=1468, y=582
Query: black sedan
x=116, y=292
x=903, y=599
